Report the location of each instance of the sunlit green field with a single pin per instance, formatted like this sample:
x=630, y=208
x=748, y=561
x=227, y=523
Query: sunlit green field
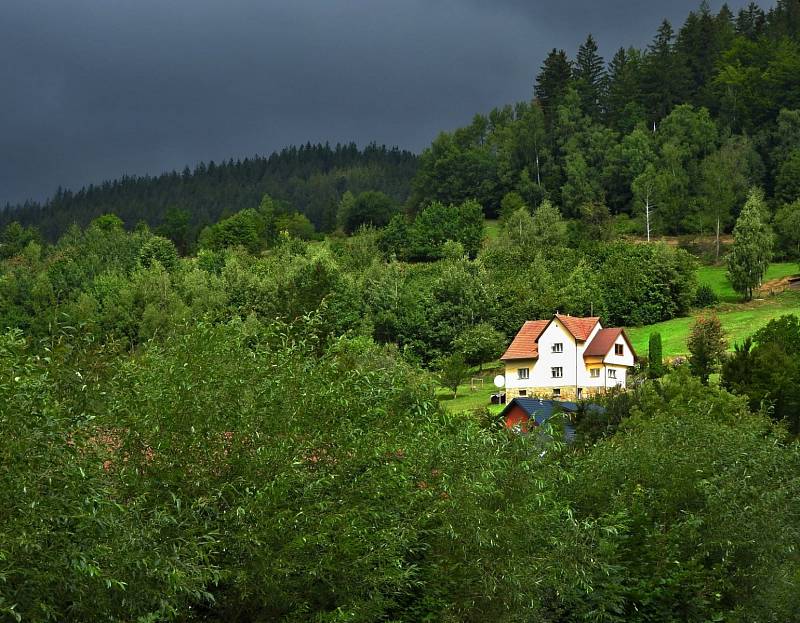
x=715, y=277
x=738, y=321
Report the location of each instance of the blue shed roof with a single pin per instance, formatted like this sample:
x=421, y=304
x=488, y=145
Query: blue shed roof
x=542, y=410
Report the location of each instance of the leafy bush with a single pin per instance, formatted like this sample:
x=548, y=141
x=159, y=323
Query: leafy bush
x=646, y=283
x=705, y=296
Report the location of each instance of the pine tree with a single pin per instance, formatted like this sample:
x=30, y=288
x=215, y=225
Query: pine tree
x=590, y=78
x=553, y=81
x=751, y=21
x=752, y=246
x=783, y=20
x=623, y=102
x=664, y=75
x=699, y=47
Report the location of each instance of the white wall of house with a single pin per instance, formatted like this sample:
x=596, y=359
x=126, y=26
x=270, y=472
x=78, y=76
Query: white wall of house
x=542, y=374
x=575, y=372
x=512, y=373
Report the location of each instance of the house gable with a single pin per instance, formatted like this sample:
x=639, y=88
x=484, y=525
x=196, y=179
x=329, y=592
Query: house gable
x=602, y=347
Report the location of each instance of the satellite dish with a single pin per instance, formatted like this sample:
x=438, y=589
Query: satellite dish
x=499, y=380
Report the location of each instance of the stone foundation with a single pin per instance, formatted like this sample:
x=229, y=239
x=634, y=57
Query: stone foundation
x=546, y=393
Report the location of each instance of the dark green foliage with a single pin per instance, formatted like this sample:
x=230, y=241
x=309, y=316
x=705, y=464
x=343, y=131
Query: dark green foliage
x=787, y=181
x=480, y=344
x=14, y=238
x=766, y=369
x=665, y=79
x=176, y=227
x=553, y=81
x=247, y=229
x=368, y=208
x=685, y=479
x=590, y=78
x=706, y=345
x=705, y=296
x=655, y=357
x=644, y=284
x=310, y=178
x=423, y=239
x=787, y=229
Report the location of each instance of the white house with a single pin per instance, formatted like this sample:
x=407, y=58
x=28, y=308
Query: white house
x=567, y=358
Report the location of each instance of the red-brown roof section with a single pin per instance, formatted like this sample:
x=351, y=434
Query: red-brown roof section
x=603, y=341
x=580, y=328
x=524, y=345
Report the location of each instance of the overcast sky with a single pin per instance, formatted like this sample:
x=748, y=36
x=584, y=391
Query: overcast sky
x=94, y=89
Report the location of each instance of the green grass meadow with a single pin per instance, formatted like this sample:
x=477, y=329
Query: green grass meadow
x=715, y=277
x=739, y=319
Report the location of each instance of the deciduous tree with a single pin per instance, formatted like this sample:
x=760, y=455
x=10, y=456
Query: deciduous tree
x=707, y=345
x=752, y=246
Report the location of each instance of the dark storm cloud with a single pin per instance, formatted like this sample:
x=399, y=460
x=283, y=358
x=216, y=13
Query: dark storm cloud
x=93, y=89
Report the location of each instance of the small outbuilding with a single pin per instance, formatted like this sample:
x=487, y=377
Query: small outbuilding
x=524, y=414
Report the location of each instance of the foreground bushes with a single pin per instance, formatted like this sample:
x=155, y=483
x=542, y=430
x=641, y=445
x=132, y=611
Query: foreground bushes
x=252, y=473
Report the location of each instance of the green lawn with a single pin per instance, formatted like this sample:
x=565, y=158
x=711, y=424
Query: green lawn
x=715, y=277
x=738, y=320
x=476, y=398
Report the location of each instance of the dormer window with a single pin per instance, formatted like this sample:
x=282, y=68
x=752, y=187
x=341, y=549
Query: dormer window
x=558, y=347
x=619, y=349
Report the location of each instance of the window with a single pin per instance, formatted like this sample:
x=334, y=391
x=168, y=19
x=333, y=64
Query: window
x=557, y=372
x=580, y=393
x=523, y=373
x=558, y=348
x=523, y=393
x=557, y=392
x=594, y=373
x=612, y=374
x=619, y=349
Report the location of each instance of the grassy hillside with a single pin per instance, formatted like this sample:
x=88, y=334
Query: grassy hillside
x=739, y=321
x=714, y=276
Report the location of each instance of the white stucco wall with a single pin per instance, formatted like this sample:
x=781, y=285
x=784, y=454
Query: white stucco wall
x=576, y=372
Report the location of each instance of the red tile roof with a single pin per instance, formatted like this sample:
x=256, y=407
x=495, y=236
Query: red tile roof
x=524, y=345
x=580, y=328
x=603, y=341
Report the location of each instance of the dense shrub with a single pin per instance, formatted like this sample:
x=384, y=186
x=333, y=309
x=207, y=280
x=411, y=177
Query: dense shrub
x=705, y=296
x=645, y=284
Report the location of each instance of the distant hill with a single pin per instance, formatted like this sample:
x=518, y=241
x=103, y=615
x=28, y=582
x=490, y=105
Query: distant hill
x=312, y=178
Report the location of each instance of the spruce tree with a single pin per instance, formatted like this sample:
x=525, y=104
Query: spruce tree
x=752, y=246
x=623, y=102
x=750, y=21
x=590, y=78
x=664, y=75
x=553, y=81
